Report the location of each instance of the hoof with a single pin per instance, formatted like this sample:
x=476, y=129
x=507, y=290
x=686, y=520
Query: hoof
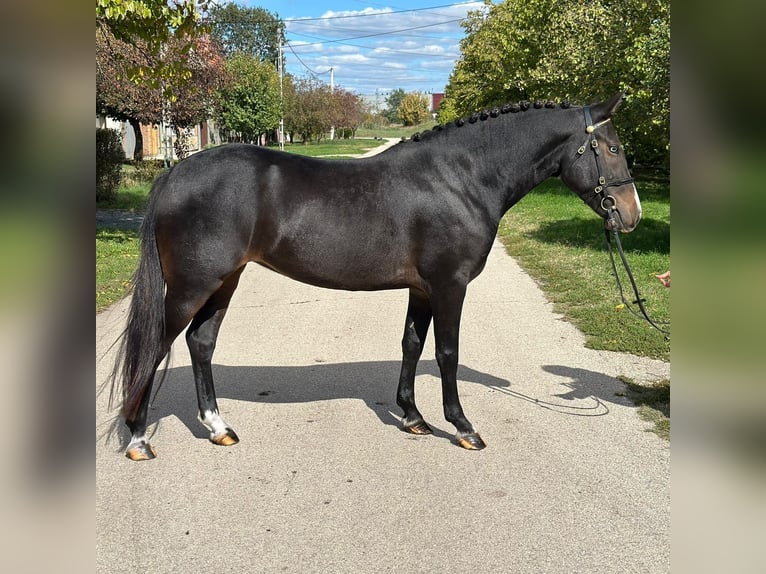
x=419, y=427
x=228, y=438
x=143, y=451
x=471, y=442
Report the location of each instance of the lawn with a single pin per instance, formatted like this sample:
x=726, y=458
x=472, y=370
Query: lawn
x=116, y=260
x=559, y=241
x=334, y=148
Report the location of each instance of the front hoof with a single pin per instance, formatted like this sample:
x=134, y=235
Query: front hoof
x=143, y=451
x=227, y=438
x=419, y=427
x=471, y=442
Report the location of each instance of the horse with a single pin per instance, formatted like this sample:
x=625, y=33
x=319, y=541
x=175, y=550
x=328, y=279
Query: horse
x=420, y=216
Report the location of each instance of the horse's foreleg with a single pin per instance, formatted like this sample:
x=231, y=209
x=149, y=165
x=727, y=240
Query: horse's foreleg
x=415, y=331
x=447, y=307
x=201, y=339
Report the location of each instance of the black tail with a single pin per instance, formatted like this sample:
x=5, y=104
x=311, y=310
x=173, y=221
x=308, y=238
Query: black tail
x=141, y=345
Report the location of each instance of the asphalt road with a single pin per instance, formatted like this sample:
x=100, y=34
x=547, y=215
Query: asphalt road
x=324, y=480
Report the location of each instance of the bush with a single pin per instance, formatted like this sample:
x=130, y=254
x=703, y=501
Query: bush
x=109, y=158
x=147, y=170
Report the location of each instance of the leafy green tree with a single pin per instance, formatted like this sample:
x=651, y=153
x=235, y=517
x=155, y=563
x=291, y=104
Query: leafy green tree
x=393, y=101
x=252, y=31
x=153, y=23
x=413, y=109
x=351, y=110
x=249, y=103
x=310, y=111
x=566, y=49
x=122, y=99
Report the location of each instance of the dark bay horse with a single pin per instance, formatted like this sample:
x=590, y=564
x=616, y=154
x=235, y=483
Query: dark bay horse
x=420, y=216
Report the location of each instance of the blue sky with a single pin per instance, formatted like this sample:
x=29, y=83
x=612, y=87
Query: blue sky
x=373, y=47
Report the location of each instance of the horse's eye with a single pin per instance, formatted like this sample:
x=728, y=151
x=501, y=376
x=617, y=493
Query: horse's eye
x=614, y=149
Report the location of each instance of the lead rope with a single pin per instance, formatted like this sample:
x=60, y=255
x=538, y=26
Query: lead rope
x=639, y=300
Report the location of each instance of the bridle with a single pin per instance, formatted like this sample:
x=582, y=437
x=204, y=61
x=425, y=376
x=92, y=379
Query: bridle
x=602, y=185
x=612, y=215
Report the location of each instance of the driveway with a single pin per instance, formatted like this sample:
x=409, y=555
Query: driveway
x=324, y=480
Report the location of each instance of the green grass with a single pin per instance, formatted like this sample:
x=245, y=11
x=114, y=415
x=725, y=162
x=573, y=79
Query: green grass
x=560, y=242
x=653, y=402
x=395, y=131
x=334, y=148
x=131, y=197
x=116, y=260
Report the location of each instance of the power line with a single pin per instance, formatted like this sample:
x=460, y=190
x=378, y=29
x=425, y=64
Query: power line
x=383, y=33
x=382, y=50
x=312, y=72
x=368, y=15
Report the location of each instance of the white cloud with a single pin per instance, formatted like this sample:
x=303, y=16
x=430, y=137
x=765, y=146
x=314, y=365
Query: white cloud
x=413, y=50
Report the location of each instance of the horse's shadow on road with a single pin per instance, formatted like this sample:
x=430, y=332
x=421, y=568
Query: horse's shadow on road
x=374, y=383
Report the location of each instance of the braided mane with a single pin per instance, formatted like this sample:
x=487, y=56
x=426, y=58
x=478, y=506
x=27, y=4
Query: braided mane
x=512, y=108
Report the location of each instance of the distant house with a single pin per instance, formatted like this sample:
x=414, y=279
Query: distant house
x=436, y=100
x=159, y=138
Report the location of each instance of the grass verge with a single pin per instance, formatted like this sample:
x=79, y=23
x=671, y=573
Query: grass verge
x=334, y=148
x=117, y=253
x=395, y=131
x=653, y=402
x=130, y=197
x=557, y=239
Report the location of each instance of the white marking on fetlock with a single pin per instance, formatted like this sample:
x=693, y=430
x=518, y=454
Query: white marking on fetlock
x=136, y=441
x=213, y=421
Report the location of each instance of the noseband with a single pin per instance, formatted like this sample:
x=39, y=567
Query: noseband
x=602, y=185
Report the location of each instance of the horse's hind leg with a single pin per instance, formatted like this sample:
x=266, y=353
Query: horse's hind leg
x=201, y=339
x=139, y=448
x=176, y=318
x=415, y=331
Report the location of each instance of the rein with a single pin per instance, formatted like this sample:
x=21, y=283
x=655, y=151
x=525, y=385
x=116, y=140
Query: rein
x=639, y=300
x=613, y=214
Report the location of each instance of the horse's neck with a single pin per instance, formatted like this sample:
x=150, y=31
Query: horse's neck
x=511, y=155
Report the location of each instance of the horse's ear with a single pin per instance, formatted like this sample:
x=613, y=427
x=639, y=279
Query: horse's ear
x=606, y=110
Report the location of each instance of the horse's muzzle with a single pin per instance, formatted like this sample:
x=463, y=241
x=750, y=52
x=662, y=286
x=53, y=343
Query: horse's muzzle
x=624, y=210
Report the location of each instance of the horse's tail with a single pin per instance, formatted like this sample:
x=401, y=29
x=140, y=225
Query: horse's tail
x=141, y=345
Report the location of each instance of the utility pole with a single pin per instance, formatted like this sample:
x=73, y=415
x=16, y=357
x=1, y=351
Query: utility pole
x=332, y=91
x=281, y=98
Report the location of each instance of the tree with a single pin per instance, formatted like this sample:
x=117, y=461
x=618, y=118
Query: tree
x=581, y=51
x=309, y=108
x=252, y=31
x=392, y=105
x=116, y=95
x=413, y=109
x=249, y=102
x=351, y=110
x=153, y=23
x=119, y=97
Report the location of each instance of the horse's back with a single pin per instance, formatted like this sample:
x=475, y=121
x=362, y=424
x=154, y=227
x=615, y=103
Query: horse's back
x=322, y=222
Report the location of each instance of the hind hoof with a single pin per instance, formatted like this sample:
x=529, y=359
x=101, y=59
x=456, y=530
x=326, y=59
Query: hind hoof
x=471, y=442
x=228, y=438
x=418, y=428
x=143, y=451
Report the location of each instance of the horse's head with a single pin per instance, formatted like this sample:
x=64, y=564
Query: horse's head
x=598, y=171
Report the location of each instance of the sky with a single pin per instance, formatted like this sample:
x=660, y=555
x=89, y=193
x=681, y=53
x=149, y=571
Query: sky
x=372, y=47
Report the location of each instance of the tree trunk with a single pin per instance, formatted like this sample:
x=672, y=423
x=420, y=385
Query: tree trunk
x=138, y=152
